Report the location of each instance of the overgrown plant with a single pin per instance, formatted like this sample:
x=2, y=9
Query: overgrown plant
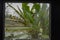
x=33, y=20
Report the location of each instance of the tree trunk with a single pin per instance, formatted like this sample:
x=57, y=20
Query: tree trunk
x=35, y=35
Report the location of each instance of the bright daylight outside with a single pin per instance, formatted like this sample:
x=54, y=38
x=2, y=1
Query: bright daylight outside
x=27, y=21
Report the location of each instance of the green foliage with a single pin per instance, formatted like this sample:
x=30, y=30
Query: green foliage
x=35, y=22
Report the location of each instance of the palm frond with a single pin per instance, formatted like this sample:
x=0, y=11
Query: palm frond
x=16, y=11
